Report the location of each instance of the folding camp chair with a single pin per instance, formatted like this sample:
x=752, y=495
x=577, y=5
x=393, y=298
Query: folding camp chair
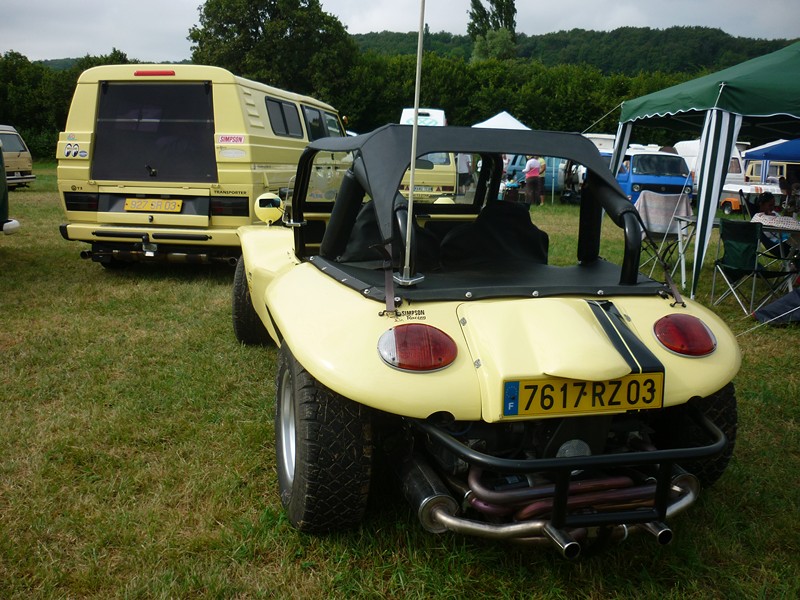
x=740, y=262
x=658, y=212
x=747, y=209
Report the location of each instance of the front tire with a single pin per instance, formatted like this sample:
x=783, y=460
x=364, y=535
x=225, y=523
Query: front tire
x=247, y=325
x=324, y=451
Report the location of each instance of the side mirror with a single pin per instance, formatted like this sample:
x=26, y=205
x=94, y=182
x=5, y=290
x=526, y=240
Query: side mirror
x=268, y=208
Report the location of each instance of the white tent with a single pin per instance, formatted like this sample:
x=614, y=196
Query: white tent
x=502, y=120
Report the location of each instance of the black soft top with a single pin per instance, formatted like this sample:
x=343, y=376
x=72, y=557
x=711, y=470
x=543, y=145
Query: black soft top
x=381, y=158
x=511, y=252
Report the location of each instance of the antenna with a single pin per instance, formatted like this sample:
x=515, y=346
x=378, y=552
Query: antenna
x=405, y=278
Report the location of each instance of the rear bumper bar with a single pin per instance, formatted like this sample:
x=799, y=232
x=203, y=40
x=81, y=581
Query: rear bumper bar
x=665, y=463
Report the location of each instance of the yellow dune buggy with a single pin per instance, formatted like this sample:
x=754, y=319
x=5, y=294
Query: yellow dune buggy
x=516, y=399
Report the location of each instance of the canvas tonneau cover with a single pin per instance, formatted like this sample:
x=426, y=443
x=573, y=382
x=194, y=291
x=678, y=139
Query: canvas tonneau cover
x=512, y=279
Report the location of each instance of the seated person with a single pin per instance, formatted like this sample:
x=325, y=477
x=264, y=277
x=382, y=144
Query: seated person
x=509, y=189
x=776, y=244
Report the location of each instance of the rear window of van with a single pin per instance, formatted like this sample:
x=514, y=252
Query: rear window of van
x=155, y=131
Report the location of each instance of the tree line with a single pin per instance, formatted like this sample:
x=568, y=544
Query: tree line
x=627, y=50
x=567, y=81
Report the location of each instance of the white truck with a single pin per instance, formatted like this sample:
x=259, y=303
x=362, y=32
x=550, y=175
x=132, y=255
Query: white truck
x=689, y=150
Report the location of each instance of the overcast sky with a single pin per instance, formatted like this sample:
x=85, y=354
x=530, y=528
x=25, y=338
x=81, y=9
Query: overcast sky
x=156, y=30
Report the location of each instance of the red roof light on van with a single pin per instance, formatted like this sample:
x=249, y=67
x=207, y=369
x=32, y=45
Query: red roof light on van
x=155, y=73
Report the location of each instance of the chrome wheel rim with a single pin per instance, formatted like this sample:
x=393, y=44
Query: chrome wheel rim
x=286, y=421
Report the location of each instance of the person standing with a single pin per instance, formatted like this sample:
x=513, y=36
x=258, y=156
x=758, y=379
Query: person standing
x=464, y=164
x=531, y=171
x=542, y=171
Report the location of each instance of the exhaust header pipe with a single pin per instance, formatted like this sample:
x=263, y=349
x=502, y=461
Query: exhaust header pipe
x=438, y=510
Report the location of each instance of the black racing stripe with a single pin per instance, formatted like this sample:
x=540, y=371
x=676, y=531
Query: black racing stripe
x=613, y=335
x=648, y=360
x=635, y=353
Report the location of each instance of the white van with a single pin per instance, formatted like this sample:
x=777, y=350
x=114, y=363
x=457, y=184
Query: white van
x=603, y=141
x=436, y=174
x=689, y=150
x=167, y=161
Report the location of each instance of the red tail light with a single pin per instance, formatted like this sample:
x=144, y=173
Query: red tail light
x=417, y=347
x=685, y=334
x=154, y=73
x=230, y=207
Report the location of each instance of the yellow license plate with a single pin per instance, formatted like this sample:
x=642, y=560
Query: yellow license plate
x=153, y=205
x=553, y=397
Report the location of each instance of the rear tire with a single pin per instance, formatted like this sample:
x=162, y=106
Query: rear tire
x=677, y=429
x=727, y=208
x=247, y=325
x=324, y=451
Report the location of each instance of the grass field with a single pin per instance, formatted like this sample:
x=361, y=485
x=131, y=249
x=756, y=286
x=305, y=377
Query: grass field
x=137, y=458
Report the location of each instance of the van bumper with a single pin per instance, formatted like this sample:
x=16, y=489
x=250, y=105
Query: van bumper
x=138, y=244
x=17, y=179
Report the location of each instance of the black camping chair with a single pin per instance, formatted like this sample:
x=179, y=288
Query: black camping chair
x=740, y=263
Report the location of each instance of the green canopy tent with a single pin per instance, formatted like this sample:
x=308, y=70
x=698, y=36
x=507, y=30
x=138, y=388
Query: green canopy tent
x=758, y=99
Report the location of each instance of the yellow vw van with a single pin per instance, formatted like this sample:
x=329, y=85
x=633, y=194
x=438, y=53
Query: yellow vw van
x=17, y=158
x=166, y=161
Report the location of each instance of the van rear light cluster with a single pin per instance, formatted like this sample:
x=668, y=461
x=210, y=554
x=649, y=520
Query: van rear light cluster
x=81, y=201
x=685, y=334
x=417, y=347
x=230, y=207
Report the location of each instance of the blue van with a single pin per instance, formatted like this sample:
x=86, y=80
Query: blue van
x=655, y=171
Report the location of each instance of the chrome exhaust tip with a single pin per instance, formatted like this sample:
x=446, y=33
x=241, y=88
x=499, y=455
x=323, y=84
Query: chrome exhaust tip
x=570, y=549
x=660, y=531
